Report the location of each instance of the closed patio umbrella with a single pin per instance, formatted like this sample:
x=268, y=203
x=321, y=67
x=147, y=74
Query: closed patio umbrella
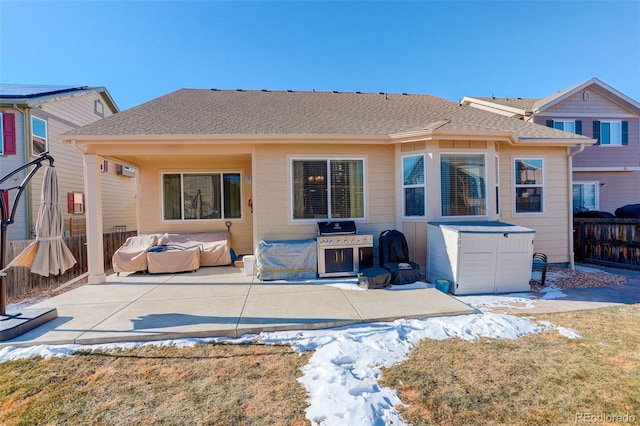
x=48, y=254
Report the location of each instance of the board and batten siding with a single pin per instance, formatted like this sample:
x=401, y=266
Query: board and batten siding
x=273, y=197
x=150, y=195
x=118, y=192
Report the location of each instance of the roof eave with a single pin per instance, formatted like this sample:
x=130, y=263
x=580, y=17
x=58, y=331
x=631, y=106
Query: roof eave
x=425, y=135
x=35, y=101
x=467, y=101
x=557, y=142
x=223, y=138
x=553, y=100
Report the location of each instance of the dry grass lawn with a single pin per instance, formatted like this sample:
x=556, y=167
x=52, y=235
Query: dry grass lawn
x=539, y=379
x=206, y=384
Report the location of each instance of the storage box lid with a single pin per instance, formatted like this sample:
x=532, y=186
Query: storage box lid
x=484, y=227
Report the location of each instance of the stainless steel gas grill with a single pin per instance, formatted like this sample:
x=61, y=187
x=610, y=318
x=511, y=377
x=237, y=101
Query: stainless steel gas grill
x=342, y=252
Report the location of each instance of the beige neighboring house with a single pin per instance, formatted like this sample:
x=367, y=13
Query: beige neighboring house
x=606, y=175
x=274, y=163
x=32, y=118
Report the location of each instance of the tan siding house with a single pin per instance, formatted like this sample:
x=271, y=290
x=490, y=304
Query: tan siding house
x=271, y=164
x=606, y=176
x=61, y=109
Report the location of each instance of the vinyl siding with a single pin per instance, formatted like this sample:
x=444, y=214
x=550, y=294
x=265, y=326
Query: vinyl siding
x=150, y=197
x=551, y=226
x=621, y=186
x=272, y=188
x=8, y=163
x=118, y=192
x=616, y=189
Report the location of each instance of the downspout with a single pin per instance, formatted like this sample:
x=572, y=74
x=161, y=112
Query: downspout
x=570, y=156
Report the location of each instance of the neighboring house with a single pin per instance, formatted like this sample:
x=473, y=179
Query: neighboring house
x=32, y=118
x=606, y=175
x=274, y=163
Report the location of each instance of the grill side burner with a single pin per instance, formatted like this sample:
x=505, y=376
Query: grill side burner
x=341, y=251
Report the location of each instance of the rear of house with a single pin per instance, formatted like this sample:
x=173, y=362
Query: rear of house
x=269, y=165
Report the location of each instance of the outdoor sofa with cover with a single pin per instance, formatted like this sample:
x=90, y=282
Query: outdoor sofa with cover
x=173, y=252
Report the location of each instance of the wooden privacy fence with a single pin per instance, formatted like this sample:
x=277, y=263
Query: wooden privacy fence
x=609, y=242
x=21, y=281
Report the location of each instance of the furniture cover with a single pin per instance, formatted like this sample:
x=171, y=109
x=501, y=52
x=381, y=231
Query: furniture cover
x=215, y=246
x=172, y=260
x=287, y=260
x=132, y=256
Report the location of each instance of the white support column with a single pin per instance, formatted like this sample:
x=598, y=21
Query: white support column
x=93, y=214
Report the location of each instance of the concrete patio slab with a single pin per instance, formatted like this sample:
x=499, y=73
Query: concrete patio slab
x=187, y=290
x=292, y=310
x=389, y=305
x=104, y=293
x=221, y=302
x=169, y=319
x=71, y=323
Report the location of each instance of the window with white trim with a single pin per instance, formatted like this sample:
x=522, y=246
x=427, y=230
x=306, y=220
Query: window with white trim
x=201, y=196
x=463, y=185
x=529, y=185
x=611, y=132
x=585, y=196
x=39, y=136
x=328, y=189
x=566, y=125
x=413, y=186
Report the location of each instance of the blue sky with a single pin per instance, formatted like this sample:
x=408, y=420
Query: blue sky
x=141, y=50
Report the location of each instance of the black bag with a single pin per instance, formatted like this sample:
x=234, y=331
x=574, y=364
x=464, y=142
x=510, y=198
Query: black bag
x=393, y=255
x=392, y=247
x=404, y=272
x=374, y=278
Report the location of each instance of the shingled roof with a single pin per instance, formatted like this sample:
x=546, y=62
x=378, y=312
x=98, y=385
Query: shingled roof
x=255, y=112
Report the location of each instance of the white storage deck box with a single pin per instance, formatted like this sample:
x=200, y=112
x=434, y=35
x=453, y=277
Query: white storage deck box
x=480, y=257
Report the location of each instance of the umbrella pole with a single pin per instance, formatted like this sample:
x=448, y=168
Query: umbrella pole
x=8, y=214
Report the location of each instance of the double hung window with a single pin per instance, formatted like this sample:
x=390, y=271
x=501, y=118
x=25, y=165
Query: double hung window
x=529, y=185
x=328, y=189
x=201, y=196
x=463, y=185
x=39, y=136
x=611, y=132
x=413, y=185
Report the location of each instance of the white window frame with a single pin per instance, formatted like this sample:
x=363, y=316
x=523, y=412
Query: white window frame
x=596, y=192
x=33, y=135
x=541, y=185
x=564, y=124
x=204, y=172
x=485, y=177
x=328, y=159
x=418, y=185
x=618, y=141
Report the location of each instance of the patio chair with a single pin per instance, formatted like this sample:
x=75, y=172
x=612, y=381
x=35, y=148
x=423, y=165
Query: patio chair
x=132, y=255
x=539, y=267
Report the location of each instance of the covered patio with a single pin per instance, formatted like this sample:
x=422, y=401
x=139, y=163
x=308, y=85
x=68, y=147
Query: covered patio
x=223, y=302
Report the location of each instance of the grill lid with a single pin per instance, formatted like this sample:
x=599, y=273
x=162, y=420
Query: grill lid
x=337, y=228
